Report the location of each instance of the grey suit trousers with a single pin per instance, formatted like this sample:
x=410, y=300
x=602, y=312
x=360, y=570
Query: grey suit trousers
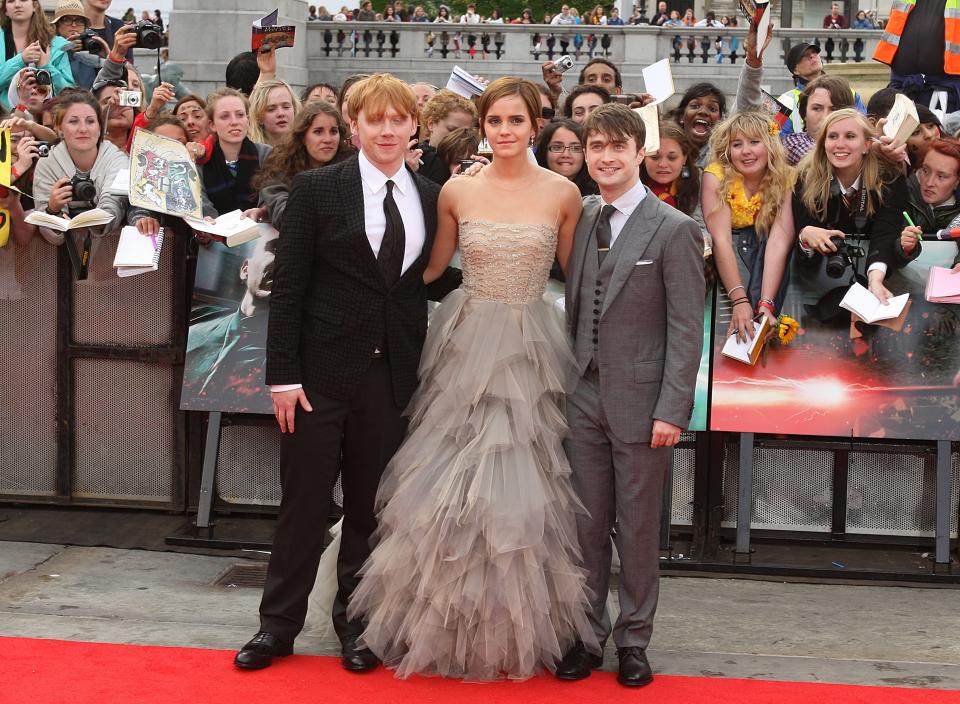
x=617, y=482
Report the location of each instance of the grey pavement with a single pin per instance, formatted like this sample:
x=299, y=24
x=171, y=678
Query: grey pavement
x=875, y=635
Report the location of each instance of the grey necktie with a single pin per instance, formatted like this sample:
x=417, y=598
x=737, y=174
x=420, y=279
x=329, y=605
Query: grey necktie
x=604, y=234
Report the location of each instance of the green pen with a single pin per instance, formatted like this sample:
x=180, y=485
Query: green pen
x=906, y=217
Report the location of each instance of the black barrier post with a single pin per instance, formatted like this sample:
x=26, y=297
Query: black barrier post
x=744, y=496
x=841, y=472
x=208, y=478
x=65, y=419
x=942, y=528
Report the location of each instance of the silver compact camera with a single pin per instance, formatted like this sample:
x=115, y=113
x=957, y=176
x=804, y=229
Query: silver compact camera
x=129, y=98
x=563, y=64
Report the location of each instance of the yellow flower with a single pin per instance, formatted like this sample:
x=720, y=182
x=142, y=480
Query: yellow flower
x=787, y=329
x=774, y=128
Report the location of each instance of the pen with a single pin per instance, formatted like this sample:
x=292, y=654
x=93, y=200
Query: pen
x=906, y=216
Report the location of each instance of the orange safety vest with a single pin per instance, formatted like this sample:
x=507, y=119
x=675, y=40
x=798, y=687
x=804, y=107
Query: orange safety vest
x=887, y=48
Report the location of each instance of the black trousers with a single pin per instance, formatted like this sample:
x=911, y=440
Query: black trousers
x=366, y=430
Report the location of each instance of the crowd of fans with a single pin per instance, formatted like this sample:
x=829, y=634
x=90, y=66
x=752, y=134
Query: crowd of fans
x=663, y=16
x=760, y=191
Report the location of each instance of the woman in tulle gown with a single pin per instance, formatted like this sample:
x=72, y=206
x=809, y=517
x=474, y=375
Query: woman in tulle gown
x=475, y=573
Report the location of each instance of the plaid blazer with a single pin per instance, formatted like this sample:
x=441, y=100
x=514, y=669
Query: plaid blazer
x=330, y=306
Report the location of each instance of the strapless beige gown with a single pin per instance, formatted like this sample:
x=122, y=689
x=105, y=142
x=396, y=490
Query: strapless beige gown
x=475, y=573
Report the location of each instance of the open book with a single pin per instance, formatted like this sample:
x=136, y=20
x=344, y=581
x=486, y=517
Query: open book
x=267, y=34
x=868, y=307
x=137, y=253
x=749, y=350
x=88, y=218
x=230, y=228
x=463, y=84
x=902, y=119
x=943, y=285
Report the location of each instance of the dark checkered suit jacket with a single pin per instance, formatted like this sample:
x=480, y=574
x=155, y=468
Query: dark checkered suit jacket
x=330, y=307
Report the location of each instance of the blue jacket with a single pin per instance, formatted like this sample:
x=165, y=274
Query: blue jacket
x=59, y=68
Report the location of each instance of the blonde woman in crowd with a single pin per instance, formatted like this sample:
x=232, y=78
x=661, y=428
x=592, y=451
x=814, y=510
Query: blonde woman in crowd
x=745, y=197
x=273, y=109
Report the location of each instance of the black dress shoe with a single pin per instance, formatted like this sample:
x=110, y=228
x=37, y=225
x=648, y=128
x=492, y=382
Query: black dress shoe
x=260, y=651
x=357, y=659
x=634, y=667
x=577, y=664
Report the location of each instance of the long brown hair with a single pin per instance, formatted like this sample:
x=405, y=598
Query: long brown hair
x=688, y=185
x=39, y=30
x=815, y=172
x=290, y=157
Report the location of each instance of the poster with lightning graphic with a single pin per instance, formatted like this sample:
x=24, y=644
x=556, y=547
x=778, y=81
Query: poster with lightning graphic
x=842, y=380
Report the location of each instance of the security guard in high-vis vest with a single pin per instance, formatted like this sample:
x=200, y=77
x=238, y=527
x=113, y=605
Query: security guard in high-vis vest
x=926, y=70
x=803, y=62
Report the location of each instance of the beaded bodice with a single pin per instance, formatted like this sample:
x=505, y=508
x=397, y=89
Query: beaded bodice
x=504, y=262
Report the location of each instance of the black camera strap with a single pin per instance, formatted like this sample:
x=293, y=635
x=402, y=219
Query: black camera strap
x=79, y=260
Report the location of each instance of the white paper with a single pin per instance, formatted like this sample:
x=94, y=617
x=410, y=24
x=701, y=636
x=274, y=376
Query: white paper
x=651, y=122
x=121, y=183
x=762, y=28
x=658, y=80
x=859, y=300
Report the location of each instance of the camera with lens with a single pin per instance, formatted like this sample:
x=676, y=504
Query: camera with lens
x=84, y=189
x=88, y=41
x=41, y=75
x=129, y=98
x=563, y=64
x=846, y=255
x=43, y=149
x=149, y=35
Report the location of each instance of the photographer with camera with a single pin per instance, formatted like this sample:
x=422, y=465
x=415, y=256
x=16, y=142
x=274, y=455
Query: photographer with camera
x=29, y=42
x=114, y=101
x=27, y=95
x=105, y=27
x=86, y=48
x=78, y=173
x=845, y=190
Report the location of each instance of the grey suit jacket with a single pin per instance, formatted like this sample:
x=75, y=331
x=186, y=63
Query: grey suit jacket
x=651, y=322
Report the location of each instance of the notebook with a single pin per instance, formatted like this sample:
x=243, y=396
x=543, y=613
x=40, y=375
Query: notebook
x=868, y=307
x=943, y=285
x=137, y=253
x=748, y=351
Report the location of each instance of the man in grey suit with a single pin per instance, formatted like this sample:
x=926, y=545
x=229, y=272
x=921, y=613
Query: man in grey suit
x=634, y=304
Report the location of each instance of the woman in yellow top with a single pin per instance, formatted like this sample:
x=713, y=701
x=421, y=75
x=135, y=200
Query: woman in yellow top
x=746, y=190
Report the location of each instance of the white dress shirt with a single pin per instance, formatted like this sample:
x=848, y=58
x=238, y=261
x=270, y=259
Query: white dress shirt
x=407, y=196
x=625, y=205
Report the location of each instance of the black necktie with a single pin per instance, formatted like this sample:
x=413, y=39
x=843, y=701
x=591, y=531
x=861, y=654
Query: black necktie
x=390, y=257
x=603, y=232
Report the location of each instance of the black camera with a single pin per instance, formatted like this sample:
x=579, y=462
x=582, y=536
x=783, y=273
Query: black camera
x=41, y=75
x=466, y=164
x=84, y=190
x=43, y=149
x=846, y=254
x=149, y=35
x=89, y=41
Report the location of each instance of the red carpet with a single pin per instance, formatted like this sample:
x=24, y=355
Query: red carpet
x=52, y=671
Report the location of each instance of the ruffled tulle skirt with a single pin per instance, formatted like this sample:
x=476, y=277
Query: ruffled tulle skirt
x=475, y=571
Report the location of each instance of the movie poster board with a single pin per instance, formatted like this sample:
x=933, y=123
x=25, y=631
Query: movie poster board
x=227, y=339
x=832, y=380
